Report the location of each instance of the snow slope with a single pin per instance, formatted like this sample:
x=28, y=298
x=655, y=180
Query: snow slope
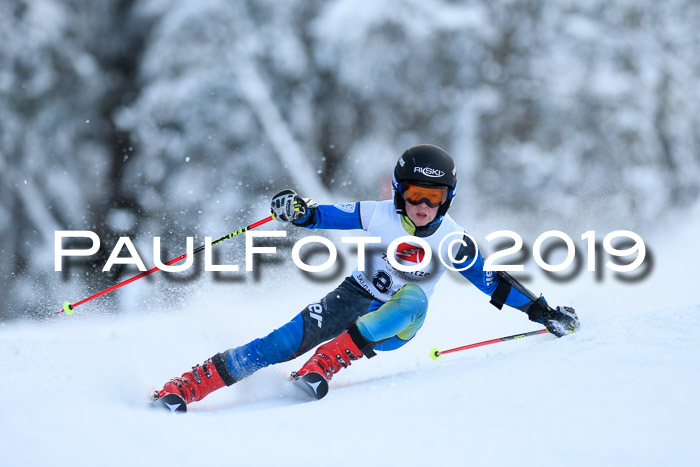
x=622, y=391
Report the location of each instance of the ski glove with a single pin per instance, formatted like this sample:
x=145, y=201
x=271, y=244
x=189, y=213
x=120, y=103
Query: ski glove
x=287, y=206
x=560, y=321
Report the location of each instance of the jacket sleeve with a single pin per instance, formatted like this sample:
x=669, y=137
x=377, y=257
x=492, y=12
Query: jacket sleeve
x=501, y=287
x=333, y=216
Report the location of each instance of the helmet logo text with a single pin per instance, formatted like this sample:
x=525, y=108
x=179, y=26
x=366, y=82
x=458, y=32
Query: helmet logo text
x=429, y=172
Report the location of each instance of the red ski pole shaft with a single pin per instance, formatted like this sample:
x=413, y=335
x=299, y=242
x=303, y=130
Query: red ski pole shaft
x=436, y=353
x=68, y=307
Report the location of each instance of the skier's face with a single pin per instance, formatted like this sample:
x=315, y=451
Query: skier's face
x=421, y=214
x=423, y=202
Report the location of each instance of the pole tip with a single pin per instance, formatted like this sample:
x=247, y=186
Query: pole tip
x=68, y=308
x=435, y=353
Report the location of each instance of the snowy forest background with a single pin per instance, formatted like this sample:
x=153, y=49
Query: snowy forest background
x=180, y=118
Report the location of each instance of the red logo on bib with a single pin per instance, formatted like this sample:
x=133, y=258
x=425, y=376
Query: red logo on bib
x=410, y=253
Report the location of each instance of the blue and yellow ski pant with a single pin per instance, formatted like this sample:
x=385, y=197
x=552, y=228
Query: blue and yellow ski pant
x=387, y=325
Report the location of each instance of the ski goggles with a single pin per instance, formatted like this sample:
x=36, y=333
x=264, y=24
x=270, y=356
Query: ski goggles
x=433, y=196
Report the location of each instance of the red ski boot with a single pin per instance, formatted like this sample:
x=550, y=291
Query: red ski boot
x=195, y=385
x=329, y=359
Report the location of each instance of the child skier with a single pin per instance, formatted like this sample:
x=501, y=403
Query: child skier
x=380, y=307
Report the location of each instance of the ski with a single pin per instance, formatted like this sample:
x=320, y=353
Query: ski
x=313, y=384
x=171, y=402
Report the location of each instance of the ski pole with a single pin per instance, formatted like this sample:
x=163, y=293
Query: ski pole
x=68, y=307
x=436, y=353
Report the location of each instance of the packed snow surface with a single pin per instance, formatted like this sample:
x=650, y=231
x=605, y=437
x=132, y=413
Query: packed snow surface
x=622, y=391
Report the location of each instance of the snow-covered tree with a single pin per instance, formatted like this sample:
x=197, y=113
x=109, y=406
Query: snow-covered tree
x=180, y=118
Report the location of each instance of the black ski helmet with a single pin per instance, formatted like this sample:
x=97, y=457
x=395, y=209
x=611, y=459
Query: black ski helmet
x=425, y=164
